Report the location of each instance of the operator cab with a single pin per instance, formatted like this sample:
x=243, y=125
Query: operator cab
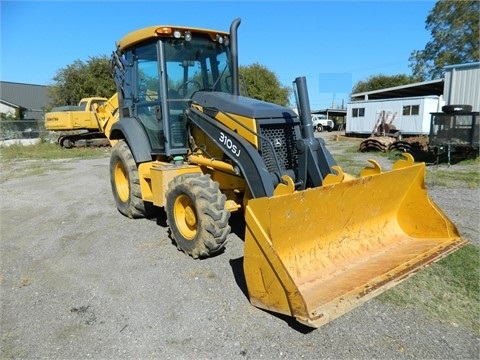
x=162, y=74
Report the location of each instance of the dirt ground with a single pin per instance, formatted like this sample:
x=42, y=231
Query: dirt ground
x=78, y=280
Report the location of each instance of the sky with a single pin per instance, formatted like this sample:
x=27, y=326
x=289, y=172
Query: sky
x=333, y=44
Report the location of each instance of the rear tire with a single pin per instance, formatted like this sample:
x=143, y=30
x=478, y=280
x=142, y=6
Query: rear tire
x=196, y=215
x=125, y=182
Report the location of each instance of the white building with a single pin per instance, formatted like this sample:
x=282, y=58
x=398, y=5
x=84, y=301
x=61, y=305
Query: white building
x=410, y=115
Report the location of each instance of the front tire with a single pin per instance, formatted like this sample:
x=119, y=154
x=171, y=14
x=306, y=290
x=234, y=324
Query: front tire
x=125, y=182
x=196, y=215
x=319, y=128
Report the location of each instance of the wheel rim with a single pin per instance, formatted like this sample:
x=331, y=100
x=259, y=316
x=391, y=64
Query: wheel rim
x=121, y=181
x=185, y=217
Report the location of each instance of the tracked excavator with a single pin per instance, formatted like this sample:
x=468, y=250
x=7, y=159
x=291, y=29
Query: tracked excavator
x=77, y=124
x=80, y=126
x=201, y=150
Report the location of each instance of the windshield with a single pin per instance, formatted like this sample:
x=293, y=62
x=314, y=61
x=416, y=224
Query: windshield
x=199, y=64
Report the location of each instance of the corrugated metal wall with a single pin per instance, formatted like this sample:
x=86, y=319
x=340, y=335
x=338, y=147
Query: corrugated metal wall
x=462, y=85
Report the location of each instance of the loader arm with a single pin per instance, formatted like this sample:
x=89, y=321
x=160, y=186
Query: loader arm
x=106, y=116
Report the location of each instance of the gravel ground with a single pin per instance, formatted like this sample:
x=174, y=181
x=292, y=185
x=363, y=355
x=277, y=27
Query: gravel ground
x=78, y=280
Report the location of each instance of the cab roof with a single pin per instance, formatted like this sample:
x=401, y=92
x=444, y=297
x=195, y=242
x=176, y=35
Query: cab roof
x=159, y=31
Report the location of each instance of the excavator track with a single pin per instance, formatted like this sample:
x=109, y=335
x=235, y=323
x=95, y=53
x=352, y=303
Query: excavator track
x=89, y=139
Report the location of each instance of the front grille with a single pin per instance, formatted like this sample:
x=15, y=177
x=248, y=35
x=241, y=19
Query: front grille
x=283, y=139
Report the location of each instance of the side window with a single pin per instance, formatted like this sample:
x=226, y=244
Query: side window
x=126, y=89
x=358, y=112
x=146, y=94
x=411, y=110
x=219, y=78
x=147, y=82
x=127, y=84
x=97, y=102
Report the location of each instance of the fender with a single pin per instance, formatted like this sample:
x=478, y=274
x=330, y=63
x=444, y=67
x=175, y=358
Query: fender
x=130, y=130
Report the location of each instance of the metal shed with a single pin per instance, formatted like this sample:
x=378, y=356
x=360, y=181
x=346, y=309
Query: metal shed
x=462, y=85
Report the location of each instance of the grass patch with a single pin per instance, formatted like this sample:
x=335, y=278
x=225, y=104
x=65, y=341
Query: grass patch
x=34, y=160
x=448, y=290
x=346, y=155
x=465, y=174
x=471, y=161
x=351, y=149
x=349, y=164
x=454, y=177
x=49, y=151
x=342, y=147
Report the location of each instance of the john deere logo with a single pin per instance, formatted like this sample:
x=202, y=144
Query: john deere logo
x=277, y=142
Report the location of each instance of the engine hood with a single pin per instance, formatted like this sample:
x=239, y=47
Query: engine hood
x=241, y=105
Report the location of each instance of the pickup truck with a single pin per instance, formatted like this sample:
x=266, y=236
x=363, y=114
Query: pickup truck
x=321, y=124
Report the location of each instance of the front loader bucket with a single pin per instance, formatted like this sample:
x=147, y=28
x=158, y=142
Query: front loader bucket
x=318, y=253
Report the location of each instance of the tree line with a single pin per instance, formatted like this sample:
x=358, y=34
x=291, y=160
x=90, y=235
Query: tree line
x=453, y=26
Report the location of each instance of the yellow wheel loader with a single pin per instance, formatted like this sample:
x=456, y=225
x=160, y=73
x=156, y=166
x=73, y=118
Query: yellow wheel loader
x=318, y=242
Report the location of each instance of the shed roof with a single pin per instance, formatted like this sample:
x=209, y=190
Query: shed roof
x=27, y=96
x=432, y=87
x=465, y=65
x=331, y=111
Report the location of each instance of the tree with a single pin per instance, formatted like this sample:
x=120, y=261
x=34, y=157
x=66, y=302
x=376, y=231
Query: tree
x=262, y=84
x=80, y=80
x=93, y=78
x=454, y=27
x=381, y=81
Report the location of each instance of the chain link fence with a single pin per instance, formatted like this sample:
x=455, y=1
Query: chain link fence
x=23, y=129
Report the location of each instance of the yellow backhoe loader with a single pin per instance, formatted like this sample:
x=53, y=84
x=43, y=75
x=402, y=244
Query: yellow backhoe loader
x=187, y=141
